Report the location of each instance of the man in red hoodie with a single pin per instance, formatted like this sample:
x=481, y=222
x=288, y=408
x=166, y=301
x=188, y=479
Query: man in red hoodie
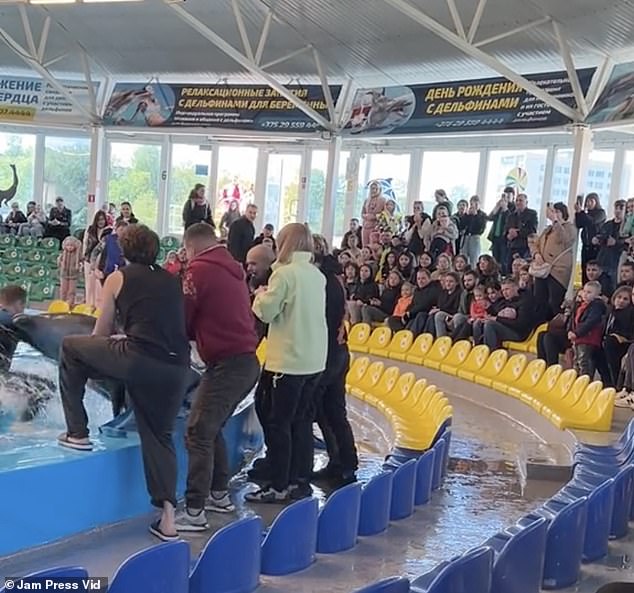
x=219, y=319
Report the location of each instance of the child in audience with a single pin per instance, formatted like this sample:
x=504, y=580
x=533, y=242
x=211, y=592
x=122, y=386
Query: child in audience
x=69, y=262
x=407, y=295
x=586, y=331
x=350, y=279
x=366, y=290
x=172, y=265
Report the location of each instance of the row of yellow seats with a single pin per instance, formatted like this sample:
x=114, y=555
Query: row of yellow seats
x=415, y=409
x=530, y=344
x=63, y=307
x=565, y=399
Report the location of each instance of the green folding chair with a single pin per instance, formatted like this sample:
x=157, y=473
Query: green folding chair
x=35, y=255
x=170, y=243
x=26, y=242
x=7, y=241
x=50, y=244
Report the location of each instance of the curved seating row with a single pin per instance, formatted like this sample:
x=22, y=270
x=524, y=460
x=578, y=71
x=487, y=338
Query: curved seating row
x=567, y=400
x=58, y=306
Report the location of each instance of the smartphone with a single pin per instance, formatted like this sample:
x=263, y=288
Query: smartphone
x=580, y=200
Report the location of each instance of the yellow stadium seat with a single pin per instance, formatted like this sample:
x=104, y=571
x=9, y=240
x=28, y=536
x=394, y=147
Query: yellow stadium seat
x=564, y=383
x=82, y=309
x=399, y=393
x=527, y=381
x=422, y=399
x=59, y=307
x=438, y=352
x=590, y=413
x=475, y=361
x=535, y=397
x=369, y=380
x=356, y=371
x=510, y=374
x=400, y=344
x=358, y=337
x=572, y=397
x=261, y=351
x=492, y=368
x=532, y=346
x=403, y=398
x=386, y=383
x=379, y=340
x=456, y=357
x=96, y=313
x=421, y=346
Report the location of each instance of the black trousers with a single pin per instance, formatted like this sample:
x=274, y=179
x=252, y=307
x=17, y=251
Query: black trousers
x=222, y=387
x=549, y=294
x=550, y=345
x=156, y=391
x=609, y=360
x=332, y=417
x=286, y=408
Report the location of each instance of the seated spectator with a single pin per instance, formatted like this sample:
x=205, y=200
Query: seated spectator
x=35, y=223
x=611, y=244
x=460, y=265
x=516, y=265
x=617, y=337
x=354, y=228
x=363, y=295
x=353, y=246
x=444, y=233
x=380, y=307
x=344, y=259
x=463, y=326
x=443, y=266
x=446, y=307
x=172, y=264
x=405, y=265
x=59, y=220
x=14, y=219
x=266, y=237
x=626, y=274
x=424, y=300
x=595, y=273
x=390, y=263
x=488, y=270
x=126, y=215
x=469, y=282
x=513, y=321
x=365, y=257
x=426, y=261
x=405, y=300
x=586, y=329
x=350, y=279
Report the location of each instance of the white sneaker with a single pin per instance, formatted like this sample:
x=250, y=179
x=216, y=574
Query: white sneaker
x=219, y=502
x=625, y=401
x=186, y=520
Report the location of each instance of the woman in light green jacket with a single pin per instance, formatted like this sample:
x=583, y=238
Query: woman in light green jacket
x=294, y=307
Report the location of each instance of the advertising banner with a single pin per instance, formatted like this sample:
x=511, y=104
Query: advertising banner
x=24, y=99
x=470, y=105
x=616, y=102
x=237, y=107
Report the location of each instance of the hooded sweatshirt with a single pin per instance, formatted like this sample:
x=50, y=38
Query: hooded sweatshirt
x=217, y=306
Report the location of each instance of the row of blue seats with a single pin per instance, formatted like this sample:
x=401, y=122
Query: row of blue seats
x=234, y=557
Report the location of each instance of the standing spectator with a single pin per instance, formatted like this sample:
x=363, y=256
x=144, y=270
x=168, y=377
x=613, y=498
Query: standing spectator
x=15, y=219
x=418, y=234
x=229, y=217
x=459, y=219
x=258, y=266
x=586, y=330
x=59, y=220
x=444, y=232
x=69, y=263
x=372, y=207
x=520, y=223
x=218, y=317
x=475, y=222
x=92, y=236
x=126, y=215
x=497, y=234
x=390, y=219
x=589, y=218
x=266, y=237
x=626, y=274
x=294, y=305
x=353, y=229
x=553, y=260
x=611, y=244
x=242, y=233
x=111, y=258
x=196, y=208
x=440, y=195
x=35, y=222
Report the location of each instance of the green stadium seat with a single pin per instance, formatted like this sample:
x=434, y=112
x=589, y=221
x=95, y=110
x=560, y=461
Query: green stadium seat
x=12, y=254
x=15, y=270
x=35, y=255
x=49, y=243
x=170, y=243
x=38, y=271
x=42, y=291
x=26, y=242
x=6, y=240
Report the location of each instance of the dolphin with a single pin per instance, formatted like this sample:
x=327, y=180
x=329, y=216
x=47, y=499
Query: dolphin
x=9, y=193
x=45, y=333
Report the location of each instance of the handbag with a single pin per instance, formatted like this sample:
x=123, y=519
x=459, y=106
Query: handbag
x=543, y=270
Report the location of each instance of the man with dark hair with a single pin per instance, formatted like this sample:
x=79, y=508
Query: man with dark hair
x=12, y=303
x=242, y=233
x=626, y=274
x=353, y=229
x=218, y=317
x=610, y=243
x=519, y=225
x=595, y=273
x=151, y=359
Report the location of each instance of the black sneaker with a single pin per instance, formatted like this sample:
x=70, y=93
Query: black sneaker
x=299, y=491
x=328, y=472
x=267, y=495
x=259, y=474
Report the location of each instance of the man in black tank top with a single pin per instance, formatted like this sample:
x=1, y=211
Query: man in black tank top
x=151, y=359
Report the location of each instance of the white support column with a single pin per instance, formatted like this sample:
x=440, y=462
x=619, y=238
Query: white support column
x=38, y=169
x=415, y=177
x=162, y=222
x=549, y=169
x=352, y=186
x=483, y=171
x=304, y=185
x=261, y=172
x=95, y=173
x=332, y=174
x=212, y=179
x=617, y=174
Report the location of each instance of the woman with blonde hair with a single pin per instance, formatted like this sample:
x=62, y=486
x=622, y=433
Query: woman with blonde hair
x=294, y=307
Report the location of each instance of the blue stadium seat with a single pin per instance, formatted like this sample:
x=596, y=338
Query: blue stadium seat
x=447, y=437
x=376, y=498
x=403, y=490
x=161, y=569
x=424, y=475
x=237, y=545
x=564, y=545
x=439, y=459
x=61, y=572
x=625, y=440
x=389, y=585
x=338, y=523
x=291, y=542
x=519, y=560
x=470, y=573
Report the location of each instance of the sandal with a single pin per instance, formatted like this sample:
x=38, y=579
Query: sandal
x=155, y=530
x=65, y=440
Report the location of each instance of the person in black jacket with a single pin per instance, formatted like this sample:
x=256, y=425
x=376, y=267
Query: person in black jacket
x=197, y=209
x=474, y=223
x=59, y=221
x=610, y=243
x=589, y=219
x=519, y=225
x=379, y=309
x=242, y=233
x=447, y=305
x=367, y=290
x=353, y=229
x=498, y=216
x=425, y=299
x=330, y=395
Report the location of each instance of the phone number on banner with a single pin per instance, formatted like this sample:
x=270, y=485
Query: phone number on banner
x=468, y=123
x=290, y=125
